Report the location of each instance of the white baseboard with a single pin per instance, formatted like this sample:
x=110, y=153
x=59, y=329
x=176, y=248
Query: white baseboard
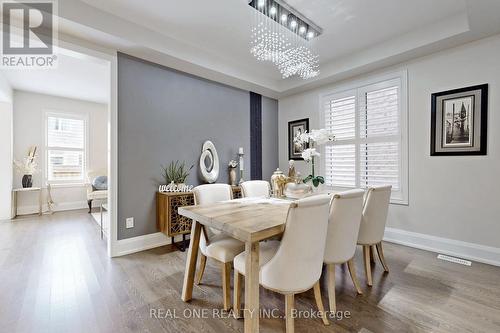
x=62, y=206
x=140, y=243
x=475, y=252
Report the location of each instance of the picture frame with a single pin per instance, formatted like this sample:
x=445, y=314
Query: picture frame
x=459, y=121
x=294, y=127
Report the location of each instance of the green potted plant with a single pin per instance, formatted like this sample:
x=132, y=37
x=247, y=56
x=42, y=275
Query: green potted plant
x=175, y=172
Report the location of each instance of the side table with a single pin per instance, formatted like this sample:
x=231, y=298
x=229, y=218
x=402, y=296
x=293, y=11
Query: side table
x=27, y=189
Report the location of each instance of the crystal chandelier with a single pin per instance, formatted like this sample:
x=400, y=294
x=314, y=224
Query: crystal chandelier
x=282, y=36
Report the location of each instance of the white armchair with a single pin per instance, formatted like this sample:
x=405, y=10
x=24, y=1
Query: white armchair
x=343, y=229
x=371, y=231
x=95, y=194
x=287, y=267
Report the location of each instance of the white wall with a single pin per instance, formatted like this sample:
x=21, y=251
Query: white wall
x=457, y=197
x=29, y=109
x=5, y=148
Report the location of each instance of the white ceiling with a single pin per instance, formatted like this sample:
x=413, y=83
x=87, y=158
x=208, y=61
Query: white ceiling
x=211, y=38
x=76, y=76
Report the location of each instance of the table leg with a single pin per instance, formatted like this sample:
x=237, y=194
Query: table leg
x=40, y=202
x=192, y=256
x=251, y=310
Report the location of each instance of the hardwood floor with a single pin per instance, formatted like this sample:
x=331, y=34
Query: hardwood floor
x=55, y=277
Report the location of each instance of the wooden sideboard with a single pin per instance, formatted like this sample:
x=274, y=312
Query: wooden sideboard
x=168, y=219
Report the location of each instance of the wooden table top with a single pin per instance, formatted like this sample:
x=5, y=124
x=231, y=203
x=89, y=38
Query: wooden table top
x=243, y=219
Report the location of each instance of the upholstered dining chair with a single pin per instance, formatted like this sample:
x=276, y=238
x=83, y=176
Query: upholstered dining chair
x=292, y=265
x=345, y=217
x=213, y=244
x=255, y=188
x=371, y=231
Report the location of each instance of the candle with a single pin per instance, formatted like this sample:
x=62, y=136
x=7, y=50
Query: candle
x=240, y=151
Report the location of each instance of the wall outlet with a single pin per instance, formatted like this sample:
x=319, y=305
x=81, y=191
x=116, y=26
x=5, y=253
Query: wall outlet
x=129, y=222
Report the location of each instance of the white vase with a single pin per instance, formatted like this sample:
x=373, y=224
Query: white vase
x=232, y=176
x=317, y=189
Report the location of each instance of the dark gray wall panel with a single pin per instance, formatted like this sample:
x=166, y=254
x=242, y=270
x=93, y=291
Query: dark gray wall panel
x=256, y=135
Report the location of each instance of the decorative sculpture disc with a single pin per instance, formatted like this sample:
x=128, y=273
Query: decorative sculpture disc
x=209, y=172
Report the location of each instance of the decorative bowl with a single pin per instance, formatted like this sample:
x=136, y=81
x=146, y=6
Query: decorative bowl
x=297, y=190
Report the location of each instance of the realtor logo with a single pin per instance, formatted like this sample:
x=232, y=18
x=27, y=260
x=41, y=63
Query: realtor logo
x=28, y=34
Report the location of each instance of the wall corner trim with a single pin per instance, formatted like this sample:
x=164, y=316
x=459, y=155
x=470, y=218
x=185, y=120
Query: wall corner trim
x=471, y=251
x=140, y=243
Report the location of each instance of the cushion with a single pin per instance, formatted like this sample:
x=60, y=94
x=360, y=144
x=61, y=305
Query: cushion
x=100, y=183
x=97, y=195
x=267, y=250
x=223, y=248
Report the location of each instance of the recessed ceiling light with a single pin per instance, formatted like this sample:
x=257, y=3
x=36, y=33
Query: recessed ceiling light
x=293, y=24
x=310, y=34
x=261, y=3
x=272, y=11
x=284, y=17
x=302, y=29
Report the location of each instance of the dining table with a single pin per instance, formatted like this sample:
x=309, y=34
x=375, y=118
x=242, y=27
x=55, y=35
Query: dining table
x=249, y=220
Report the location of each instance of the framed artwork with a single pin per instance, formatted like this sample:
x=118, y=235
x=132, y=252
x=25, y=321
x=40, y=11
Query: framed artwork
x=459, y=121
x=295, y=128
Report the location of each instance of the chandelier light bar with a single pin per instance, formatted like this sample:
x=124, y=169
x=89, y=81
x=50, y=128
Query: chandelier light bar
x=284, y=14
x=283, y=36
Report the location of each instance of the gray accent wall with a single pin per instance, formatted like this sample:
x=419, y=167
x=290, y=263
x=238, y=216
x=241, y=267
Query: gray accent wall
x=166, y=115
x=270, y=138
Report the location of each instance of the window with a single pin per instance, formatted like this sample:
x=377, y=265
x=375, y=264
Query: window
x=66, y=137
x=369, y=123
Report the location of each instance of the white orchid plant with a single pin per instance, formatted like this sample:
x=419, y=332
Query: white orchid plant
x=313, y=139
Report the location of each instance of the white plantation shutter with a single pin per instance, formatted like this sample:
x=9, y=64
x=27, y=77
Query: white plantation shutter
x=340, y=158
x=367, y=124
x=65, y=132
x=340, y=168
x=66, y=138
x=340, y=117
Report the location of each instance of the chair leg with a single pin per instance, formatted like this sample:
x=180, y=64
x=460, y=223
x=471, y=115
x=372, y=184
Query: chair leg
x=289, y=305
x=352, y=272
x=226, y=285
x=201, y=269
x=331, y=287
x=368, y=269
x=238, y=280
x=381, y=257
x=372, y=253
x=89, y=202
x=319, y=303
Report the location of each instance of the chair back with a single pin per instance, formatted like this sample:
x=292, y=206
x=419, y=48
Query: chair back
x=208, y=194
x=255, y=188
x=298, y=261
x=92, y=174
x=211, y=193
x=374, y=215
x=343, y=228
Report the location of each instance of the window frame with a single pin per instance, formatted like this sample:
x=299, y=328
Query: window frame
x=357, y=88
x=78, y=116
